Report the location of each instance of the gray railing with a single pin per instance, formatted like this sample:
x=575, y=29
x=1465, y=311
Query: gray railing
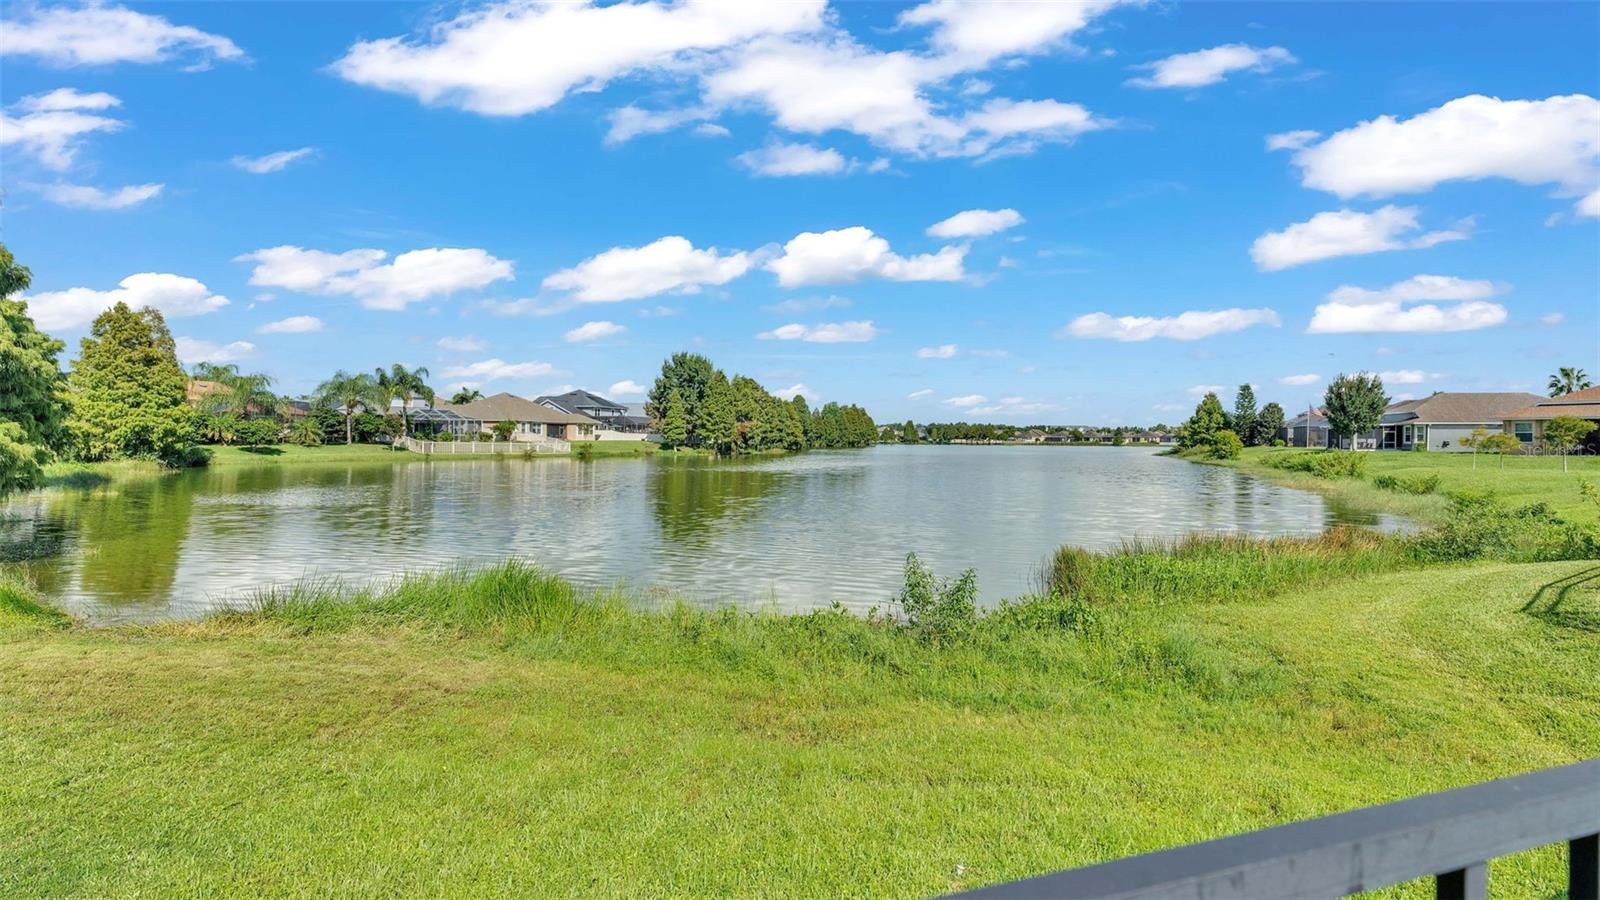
x=1449, y=836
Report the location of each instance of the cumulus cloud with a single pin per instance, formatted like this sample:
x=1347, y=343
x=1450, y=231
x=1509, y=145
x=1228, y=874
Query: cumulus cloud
x=1297, y=380
x=1551, y=141
x=593, y=331
x=1348, y=233
x=631, y=273
x=825, y=333
x=782, y=160
x=461, y=344
x=193, y=350
x=791, y=60
x=974, y=223
x=83, y=196
x=966, y=401
x=850, y=254
x=943, y=351
x=494, y=369
x=95, y=35
x=272, y=162
x=797, y=390
x=50, y=127
x=1409, y=376
x=292, y=325
x=411, y=277
x=1422, y=304
x=1186, y=326
x=1291, y=140
x=1589, y=206
x=627, y=388
x=1203, y=67
x=1011, y=406
x=173, y=295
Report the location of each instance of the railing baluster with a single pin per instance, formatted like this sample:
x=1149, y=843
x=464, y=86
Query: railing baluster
x=1583, y=868
x=1471, y=883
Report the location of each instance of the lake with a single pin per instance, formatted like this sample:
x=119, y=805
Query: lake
x=793, y=532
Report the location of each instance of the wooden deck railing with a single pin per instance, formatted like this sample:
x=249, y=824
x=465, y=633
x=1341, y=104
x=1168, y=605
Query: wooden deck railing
x=447, y=448
x=1449, y=836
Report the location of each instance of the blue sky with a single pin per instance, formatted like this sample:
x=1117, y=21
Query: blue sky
x=470, y=197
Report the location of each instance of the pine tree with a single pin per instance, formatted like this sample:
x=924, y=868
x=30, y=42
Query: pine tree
x=128, y=390
x=717, y=427
x=1202, y=427
x=1269, y=425
x=908, y=433
x=1245, y=421
x=675, y=420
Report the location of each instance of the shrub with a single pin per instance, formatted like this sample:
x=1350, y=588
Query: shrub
x=1225, y=445
x=937, y=608
x=1323, y=464
x=1478, y=527
x=1407, y=484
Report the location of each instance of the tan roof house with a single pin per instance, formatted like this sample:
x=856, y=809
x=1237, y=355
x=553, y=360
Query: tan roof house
x=1527, y=422
x=1439, y=422
x=533, y=420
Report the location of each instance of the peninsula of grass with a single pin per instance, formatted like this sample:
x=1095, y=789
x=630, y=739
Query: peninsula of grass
x=500, y=731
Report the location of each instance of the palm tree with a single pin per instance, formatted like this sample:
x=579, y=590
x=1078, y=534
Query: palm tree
x=405, y=385
x=1568, y=379
x=466, y=395
x=347, y=393
x=243, y=394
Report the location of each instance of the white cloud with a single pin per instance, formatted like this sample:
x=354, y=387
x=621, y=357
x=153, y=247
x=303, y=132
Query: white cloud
x=850, y=254
x=1551, y=141
x=1191, y=325
x=797, y=390
x=809, y=304
x=631, y=273
x=292, y=325
x=943, y=351
x=659, y=312
x=1590, y=204
x=1011, y=406
x=95, y=34
x=966, y=401
x=1409, y=376
x=411, y=277
x=193, y=350
x=973, y=32
x=1552, y=319
x=51, y=127
x=711, y=130
x=1404, y=307
x=1308, y=378
x=1348, y=233
x=1203, y=67
x=630, y=121
x=1291, y=140
x=493, y=369
x=272, y=162
x=593, y=331
x=918, y=395
x=461, y=344
x=976, y=223
x=83, y=196
x=825, y=333
x=780, y=160
x=627, y=388
x=1200, y=390
x=173, y=295
x=514, y=58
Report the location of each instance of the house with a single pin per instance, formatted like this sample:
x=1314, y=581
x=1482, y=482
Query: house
x=1528, y=422
x=1439, y=422
x=1308, y=429
x=1029, y=436
x=611, y=416
x=533, y=420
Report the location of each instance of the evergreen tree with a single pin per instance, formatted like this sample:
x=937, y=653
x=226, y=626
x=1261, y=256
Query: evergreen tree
x=1354, y=405
x=1245, y=419
x=128, y=391
x=908, y=433
x=1202, y=427
x=1269, y=425
x=689, y=374
x=32, y=388
x=674, y=425
x=717, y=426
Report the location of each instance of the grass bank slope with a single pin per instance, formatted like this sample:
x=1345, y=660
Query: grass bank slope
x=501, y=733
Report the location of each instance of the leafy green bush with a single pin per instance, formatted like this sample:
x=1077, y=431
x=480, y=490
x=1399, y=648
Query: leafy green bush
x=1321, y=463
x=937, y=608
x=1479, y=527
x=1225, y=445
x=1407, y=484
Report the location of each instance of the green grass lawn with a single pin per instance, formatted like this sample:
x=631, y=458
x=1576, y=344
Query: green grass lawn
x=554, y=749
x=1524, y=479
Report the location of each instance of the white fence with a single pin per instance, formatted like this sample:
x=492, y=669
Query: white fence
x=449, y=448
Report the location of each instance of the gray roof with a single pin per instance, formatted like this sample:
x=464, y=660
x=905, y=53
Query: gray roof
x=572, y=400
x=509, y=407
x=1457, y=407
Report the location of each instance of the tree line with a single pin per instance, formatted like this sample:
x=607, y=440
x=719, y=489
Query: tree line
x=694, y=404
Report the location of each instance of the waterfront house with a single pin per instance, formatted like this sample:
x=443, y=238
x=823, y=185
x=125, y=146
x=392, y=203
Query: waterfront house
x=533, y=420
x=1308, y=429
x=1439, y=422
x=1029, y=436
x=611, y=415
x=1528, y=422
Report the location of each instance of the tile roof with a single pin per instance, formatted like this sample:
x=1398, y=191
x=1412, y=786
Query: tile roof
x=1584, y=404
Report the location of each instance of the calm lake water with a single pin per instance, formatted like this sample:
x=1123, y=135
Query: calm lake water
x=794, y=532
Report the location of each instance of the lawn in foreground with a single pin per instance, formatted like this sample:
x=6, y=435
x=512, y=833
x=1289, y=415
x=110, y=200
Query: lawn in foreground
x=690, y=753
